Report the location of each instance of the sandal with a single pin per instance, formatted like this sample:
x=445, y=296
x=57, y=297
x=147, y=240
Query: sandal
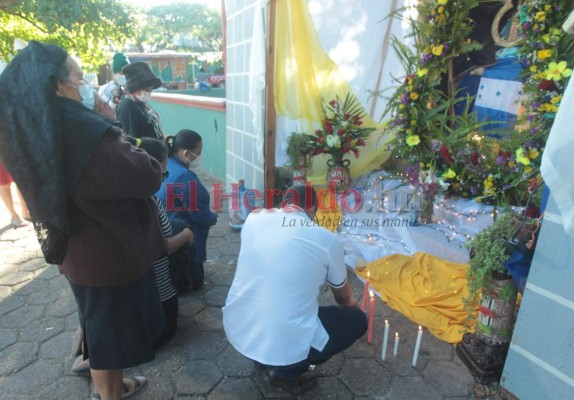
x=81, y=366
x=131, y=386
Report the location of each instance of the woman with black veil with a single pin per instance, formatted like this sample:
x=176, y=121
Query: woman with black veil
x=89, y=195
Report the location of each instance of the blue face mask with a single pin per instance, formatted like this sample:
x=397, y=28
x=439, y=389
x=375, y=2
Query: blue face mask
x=87, y=95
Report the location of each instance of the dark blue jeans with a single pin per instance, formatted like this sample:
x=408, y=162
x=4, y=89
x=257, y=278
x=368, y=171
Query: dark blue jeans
x=343, y=324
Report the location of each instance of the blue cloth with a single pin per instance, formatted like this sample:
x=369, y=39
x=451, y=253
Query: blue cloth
x=188, y=200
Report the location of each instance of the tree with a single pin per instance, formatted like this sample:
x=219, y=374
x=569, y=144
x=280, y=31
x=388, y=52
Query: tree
x=87, y=28
x=184, y=27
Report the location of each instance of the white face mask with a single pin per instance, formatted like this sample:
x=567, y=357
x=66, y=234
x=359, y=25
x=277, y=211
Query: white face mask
x=196, y=162
x=144, y=97
x=121, y=80
x=87, y=95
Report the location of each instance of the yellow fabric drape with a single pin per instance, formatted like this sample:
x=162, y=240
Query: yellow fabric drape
x=426, y=289
x=304, y=74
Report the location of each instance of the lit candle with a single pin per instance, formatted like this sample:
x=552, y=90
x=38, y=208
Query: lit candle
x=385, y=340
x=366, y=292
x=371, y=317
x=396, y=349
x=417, y=346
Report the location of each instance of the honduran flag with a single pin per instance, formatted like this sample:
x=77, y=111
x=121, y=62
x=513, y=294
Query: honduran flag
x=498, y=96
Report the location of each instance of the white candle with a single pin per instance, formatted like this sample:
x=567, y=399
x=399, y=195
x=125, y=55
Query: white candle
x=417, y=346
x=396, y=349
x=385, y=340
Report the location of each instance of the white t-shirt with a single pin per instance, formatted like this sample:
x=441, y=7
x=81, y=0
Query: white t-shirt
x=271, y=312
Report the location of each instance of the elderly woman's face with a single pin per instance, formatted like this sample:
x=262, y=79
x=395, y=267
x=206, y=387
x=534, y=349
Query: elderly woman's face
x=69, y=88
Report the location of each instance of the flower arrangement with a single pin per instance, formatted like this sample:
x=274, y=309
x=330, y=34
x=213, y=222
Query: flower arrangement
x=545, y=63
x=420, y=111
x=342, y=131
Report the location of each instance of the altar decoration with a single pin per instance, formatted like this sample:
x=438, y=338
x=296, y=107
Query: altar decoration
x=425, y=289
x=547, y=58
x=419, y=110
x=341, y=133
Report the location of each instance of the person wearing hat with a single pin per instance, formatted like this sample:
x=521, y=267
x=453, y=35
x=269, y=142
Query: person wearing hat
x=137, y=117
x=112, y=92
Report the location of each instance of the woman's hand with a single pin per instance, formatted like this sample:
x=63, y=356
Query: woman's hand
x=176, y=242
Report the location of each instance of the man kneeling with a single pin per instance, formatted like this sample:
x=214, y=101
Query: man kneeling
x=272, y=314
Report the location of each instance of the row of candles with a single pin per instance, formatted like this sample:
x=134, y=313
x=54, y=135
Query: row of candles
x=371, y=295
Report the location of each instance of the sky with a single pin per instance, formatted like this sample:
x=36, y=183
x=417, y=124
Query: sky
x=150, y=3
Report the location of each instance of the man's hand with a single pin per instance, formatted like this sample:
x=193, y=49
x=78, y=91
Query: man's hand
x=344, y=296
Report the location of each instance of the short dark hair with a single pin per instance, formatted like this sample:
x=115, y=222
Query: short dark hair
x=303, y=196
x=154, y=148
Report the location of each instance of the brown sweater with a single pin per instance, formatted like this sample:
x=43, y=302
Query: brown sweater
x=116, y=234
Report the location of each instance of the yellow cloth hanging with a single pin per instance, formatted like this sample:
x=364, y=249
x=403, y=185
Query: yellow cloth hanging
x=329, y=214
x=425, y=289
x=304, y=74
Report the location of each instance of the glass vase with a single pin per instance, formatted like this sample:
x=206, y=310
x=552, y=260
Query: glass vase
x=426, y=214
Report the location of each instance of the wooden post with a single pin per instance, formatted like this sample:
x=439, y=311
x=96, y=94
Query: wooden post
x=223, y=35
x=270, y=115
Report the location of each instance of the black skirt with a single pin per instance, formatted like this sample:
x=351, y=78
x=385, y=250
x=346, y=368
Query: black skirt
x=120, y=323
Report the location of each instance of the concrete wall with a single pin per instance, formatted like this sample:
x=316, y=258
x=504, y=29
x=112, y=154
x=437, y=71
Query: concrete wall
x=204, y=115
x=540, y=363
x=242, y=160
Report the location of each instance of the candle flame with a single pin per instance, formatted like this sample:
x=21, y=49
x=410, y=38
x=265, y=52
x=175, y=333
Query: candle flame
x=371, y=293
x=386, y=322
x=397, y=334
x=420, y=328
x=368, y=274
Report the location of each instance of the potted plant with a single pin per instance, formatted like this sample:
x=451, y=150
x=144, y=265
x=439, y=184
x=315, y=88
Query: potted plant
x=298, y=152
x=492, y=289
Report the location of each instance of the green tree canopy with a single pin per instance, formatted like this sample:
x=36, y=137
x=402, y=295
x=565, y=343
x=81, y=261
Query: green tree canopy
x=87, y=28
x=181, y=26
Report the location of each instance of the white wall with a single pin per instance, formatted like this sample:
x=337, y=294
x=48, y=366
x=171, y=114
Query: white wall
x=242, y=160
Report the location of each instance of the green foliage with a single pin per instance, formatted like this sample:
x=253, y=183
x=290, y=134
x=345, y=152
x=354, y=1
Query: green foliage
x=86, y=28
x=488, y=255
x=181, y=26
x=298, y=148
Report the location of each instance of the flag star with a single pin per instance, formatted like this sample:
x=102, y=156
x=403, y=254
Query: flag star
x=498, y=92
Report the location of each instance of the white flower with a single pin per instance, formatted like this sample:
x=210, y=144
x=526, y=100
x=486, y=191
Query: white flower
x=333, y=141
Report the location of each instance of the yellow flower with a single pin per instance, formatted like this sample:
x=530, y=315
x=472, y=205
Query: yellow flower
x=528, y=169
x=422, y=72
x=414, y=95
x=422, y=164
x=547, y=7
x=441, y=2
x=401, y=106
x=440, y=9
x=437, y=50
x=413, y=140
x=533, y=68
x=544, y=54
x=409, y=131
x=540, y=16
x=557, y=71
x=556, y=99
x=546, y=38
x=448, y=174
x=413, y=122
x=533, y=154
x=521, y=158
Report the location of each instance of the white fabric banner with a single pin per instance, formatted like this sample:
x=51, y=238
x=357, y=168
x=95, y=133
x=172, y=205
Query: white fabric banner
x=556, y=165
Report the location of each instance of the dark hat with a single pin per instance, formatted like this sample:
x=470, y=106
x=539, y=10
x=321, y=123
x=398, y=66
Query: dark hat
x=303, y=196
x=119, y=61
x=138, y=76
